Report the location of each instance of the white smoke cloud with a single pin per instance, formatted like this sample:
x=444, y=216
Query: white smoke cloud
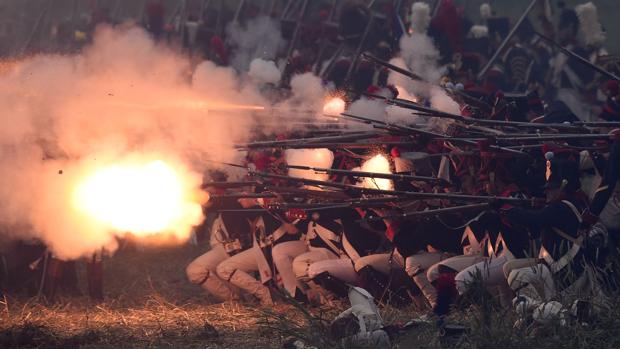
x=124, y=98
x=307, y=99
x=307, y=87
x=377, y=164
x=419, y=54
x=369, y=108
x=264, y=72
x=322, y=158
x=261, y=37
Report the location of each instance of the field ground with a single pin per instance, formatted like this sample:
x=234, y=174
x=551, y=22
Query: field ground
x=149, y=304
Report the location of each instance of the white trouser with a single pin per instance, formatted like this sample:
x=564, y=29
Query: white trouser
x=236, y=270
x=342, y=269
x=302, y=263
x=381, y=262
x=416, y=267
x=534, y=281
x=202, y=271
x=283, y=255
x=456, y=263
x=420, y=262
x=491, y=271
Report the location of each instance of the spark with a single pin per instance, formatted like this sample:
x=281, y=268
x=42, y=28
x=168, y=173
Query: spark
x=334, y=107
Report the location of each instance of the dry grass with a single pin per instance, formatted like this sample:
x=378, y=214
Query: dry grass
x=149, y=304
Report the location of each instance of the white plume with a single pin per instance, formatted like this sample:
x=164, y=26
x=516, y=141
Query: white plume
x=420, y=17
x=485, y=11
x=590, y=28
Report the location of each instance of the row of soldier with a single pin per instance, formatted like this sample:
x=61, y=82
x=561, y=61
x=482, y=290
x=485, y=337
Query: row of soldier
x=402, y=258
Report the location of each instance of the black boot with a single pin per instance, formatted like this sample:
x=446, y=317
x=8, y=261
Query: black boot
x=331, y=284
x=386, y=289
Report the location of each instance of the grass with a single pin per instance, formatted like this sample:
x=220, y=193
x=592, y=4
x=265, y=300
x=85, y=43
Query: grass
x=149, y=304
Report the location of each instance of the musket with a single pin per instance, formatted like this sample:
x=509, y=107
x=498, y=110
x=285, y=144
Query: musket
x=392, y=127
x=226, y=163
x=430, y=112
x=365, y=174
x=506, y=40
x=580, y=59
x=342, y=145
x=286, y=206
x=329, y=194
x=385, y=199
x=224, y=185
x=353, y=136
x=397, y=8
x=244, y=196
x=471, y=100
x=403, y=103
x=286, y=9
x=433, y=213
x=467, y=98
x=283, y=206
x=360, y=47
x=518, y=124
x=370, y=191
x=559, y=137
x=429, y=133
x=393, y=67
x=238, y=11
x=274, y=192
x=298, y=25
x=332, y=61
x=597, y=123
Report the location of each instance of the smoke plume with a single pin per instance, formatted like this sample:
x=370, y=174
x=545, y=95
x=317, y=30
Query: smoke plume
x=264, y=72
x=322, y=158
x=123, y=100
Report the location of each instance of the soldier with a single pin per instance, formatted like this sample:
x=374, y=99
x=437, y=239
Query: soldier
x=561, y=263
x=267, y=230
x=606, y=202
x=285, y=252
x=358, y=240
x=502, y=242
x=324, y=238
x=230, y=234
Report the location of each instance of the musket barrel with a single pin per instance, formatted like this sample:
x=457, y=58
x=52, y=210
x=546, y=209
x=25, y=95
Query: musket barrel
x=229, y=184
x=580, y=59
x=393, y=67
x=345, y=137
x=363, y=145
x=416, y=195
x=436, y=212
x=506, y=40
x=365, y=174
